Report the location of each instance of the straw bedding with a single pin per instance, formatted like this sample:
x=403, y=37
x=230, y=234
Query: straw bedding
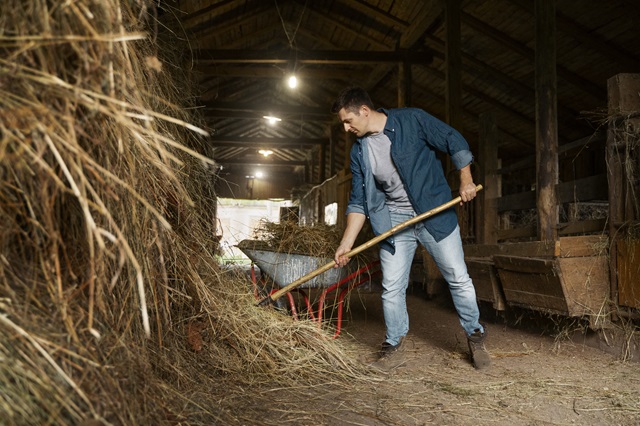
x=111, y=310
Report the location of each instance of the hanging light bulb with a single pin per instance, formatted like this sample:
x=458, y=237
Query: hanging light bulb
x=293, y=81
x=271, y=119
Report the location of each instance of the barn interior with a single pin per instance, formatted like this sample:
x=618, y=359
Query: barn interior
x=541, y=95
x=125, y=125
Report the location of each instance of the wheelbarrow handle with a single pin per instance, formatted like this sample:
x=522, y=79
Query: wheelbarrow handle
x=273, y=297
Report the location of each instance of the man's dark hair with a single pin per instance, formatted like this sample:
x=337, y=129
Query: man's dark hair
x=351, y=99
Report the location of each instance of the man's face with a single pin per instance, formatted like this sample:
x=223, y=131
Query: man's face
x=355, y=122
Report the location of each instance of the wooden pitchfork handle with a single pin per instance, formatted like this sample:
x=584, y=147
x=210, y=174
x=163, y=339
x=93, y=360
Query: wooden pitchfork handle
x=273, y=297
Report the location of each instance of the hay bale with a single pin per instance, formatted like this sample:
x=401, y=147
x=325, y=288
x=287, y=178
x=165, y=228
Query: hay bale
x=103, y=186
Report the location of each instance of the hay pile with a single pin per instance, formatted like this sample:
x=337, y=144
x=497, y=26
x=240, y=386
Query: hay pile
x=110, y=309
x=289, y=237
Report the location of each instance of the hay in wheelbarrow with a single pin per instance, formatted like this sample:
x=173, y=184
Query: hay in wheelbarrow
x=318, y=240
x=290, y=237
x=110, y=309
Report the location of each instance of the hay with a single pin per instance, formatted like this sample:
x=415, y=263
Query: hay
x=289, y=237
x=110, y=308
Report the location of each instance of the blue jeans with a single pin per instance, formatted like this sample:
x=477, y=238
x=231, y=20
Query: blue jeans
x=449, y=257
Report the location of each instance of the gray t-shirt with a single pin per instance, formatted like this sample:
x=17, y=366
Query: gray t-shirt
x=385, y=172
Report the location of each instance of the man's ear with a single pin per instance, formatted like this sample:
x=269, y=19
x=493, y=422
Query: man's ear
x=365, y=110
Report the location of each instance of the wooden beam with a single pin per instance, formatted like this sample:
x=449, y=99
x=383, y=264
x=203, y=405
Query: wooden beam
x=348, y=27
x=238, y=56
x=272, y=72
x=266, y=142
x=429, y=14
x=453, y=62
x=280, y=111
x=546, y=120
x=377, y=14
x=274, y=163
x=410, y=38
x=201, y=12
x=226, y=22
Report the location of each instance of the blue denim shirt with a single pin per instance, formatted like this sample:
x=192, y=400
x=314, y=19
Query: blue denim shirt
x=415, y=136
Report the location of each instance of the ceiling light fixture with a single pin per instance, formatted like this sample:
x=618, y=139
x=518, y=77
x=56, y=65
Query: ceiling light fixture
x=259, y=175
x=265, y=152
x=271, y=119
x=293, y=81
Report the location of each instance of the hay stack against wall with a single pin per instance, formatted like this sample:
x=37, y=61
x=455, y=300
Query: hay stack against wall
x=106, y=239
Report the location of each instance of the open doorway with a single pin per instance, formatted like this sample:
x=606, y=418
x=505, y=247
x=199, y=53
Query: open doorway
x=239, y=219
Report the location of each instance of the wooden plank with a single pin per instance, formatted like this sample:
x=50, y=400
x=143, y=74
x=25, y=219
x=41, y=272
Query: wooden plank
x=574, y=246
x=523, y=249
x=574, y=286
x=524, y=294
x=583, y=227
x=486, y=282
x=586, y=189
x=546, y=120
x=629, y=273
x=523, y=232
x=531, y=283
x=583, y=246
x=519, y=201
x=586, y=284
x=525, y=264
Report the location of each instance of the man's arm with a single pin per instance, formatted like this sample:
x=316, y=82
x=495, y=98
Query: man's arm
x=467, y=187
x=355, y=222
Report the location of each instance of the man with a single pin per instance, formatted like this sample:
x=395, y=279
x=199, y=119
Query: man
x=396, y=176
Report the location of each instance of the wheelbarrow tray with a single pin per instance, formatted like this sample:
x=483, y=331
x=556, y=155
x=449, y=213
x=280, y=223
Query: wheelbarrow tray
x=284, y=268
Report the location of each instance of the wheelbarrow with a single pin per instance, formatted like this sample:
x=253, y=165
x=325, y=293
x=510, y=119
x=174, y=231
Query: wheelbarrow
x=283, y=268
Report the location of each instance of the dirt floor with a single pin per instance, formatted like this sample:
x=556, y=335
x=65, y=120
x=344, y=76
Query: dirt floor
x=539, y=375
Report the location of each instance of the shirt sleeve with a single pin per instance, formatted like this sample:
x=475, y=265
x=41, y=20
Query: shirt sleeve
x=356, y=199
x=446, y=139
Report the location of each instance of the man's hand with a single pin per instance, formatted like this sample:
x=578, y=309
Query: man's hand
x=355, y=221
x=467, y=187
x=340, y=258
x=467, y=192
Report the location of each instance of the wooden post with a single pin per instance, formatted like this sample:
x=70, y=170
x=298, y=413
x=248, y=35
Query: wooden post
x=404, y=84
x=333, y=144
x=623, y=99
x=454, y=64
x=323, y=163
x=486, y=211
x=546, y=120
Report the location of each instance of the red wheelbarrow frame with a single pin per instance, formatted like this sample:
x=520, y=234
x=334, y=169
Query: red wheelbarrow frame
x=316, y=316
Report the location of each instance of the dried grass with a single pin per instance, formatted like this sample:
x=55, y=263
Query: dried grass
x=289, y=237
x=110, y=308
